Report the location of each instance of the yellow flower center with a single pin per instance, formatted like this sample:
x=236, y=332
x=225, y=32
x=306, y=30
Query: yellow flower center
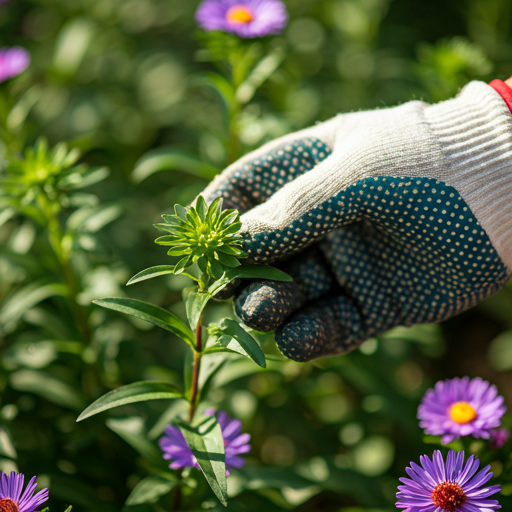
x=239, y=14
x=462, y=412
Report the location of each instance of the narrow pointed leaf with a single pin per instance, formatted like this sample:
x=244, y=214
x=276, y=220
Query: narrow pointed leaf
x=195, y=303
x=215, y=209
x=136, y=392
x=249, y=272
x=182, y=264
x=150, y=313
x=151, y=272
x=205, y=440
x=227, y=260
x=232, y=328
x=179, y=251
x=149, y=490
x=181, y=211
x=229, y=249
x=201, y=208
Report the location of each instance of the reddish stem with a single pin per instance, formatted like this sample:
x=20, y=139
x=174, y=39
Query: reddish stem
x=195, y=373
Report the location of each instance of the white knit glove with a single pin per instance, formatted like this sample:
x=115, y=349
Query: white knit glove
x=387, y=217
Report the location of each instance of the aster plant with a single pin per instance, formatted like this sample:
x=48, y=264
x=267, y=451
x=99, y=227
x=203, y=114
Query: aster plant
x=45, y=186
x=451, y=485
x=461, y=407
x=206, y=242
x=245, y=18
x=14, y=499
x=235, y=34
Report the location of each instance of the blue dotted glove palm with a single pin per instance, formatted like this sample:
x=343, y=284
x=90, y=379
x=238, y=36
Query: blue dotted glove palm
x=392, y=217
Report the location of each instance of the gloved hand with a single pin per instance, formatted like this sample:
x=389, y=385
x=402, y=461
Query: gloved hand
x=390, y=217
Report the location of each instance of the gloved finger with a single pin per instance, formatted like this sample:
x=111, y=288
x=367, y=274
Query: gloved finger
x=303, y=211
x=264, y=305
x=330, y=327
x=256, y=177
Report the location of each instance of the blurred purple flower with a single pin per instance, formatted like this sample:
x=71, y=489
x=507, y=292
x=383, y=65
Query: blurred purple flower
x=245, y=18
x=235, y=442
x=461, y=407
x=176, y=449
x=451, y=486
x=498, y=438
x=11, y=499
x=13, y=61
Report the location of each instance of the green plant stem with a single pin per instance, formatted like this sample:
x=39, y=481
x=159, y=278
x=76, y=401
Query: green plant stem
x=194, y=388
x=233, y=142
x=90, y=376
x=69, y=278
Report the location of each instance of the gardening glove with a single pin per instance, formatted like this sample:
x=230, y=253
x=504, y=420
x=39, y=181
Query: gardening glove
x=397, y=216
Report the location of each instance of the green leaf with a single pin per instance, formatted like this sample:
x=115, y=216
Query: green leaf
x=16, y=305
x=136, y=392
x=215, y=269
x=7, y=448
x=149, y=490
x=179, y=251
x=229, y=249
x=47, y=386
x=131, y=430
x=215, y=209
x=195, y=303
x=205, y=440
x=249, y=272
x=210, y=367
x=151, y=272
x=150, y=313
x=227, y=260
x=76, y=180
x=182, y=264
x=168, y=159
x=201, y=208
x=261, y=72
x=93, y=218
x=231, y=328
x=181, y=212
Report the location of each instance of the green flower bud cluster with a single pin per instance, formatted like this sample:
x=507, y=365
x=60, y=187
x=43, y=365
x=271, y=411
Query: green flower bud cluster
x=204, y=235
x=45, y=177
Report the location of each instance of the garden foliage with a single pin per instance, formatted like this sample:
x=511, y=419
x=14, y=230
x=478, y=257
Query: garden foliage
x=150, y=109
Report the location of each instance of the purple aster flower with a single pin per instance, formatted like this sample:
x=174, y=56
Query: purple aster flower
x=245, y=18
x=235, y=443
x=447, y=487
x=13, y=61
x=176, y=449
x=461, y=407
x=11, y=499
x=498, y=438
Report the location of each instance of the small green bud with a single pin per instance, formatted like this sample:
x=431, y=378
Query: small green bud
x=205, y=235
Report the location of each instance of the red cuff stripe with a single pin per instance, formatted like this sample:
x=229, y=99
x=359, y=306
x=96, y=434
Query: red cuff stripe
x=504, y=91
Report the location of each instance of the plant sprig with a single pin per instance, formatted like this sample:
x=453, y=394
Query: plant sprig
x=208, y=241
x=205, y=235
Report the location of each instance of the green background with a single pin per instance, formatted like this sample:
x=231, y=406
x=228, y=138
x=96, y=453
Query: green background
x=118, y=78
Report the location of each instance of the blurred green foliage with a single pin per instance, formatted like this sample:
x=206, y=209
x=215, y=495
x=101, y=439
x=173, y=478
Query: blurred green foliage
x=126, y=83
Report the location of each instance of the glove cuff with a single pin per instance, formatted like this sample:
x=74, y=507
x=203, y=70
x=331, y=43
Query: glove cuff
x=474, y=134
